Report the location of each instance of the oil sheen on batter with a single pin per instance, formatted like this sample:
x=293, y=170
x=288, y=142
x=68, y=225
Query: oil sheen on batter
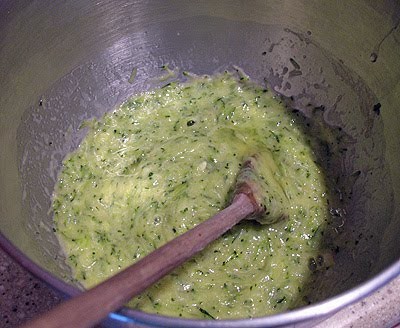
x=165, y=161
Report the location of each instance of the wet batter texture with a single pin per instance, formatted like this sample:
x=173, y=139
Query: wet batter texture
x=167, y=160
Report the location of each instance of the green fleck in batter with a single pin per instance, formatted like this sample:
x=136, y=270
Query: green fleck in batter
x=167, y=160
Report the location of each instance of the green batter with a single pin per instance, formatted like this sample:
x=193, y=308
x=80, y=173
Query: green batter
x=165, y=161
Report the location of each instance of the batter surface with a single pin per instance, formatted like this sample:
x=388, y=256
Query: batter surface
x=165, y=161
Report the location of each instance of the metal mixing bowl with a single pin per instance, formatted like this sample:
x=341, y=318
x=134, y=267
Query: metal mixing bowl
x=62, y=62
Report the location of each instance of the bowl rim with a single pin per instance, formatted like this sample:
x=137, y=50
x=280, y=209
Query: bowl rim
x=319, y=310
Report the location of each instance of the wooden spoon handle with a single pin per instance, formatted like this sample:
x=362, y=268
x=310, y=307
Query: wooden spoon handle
x=90, y=307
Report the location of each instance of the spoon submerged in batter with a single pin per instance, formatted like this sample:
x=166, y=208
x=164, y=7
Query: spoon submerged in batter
x=255, y=197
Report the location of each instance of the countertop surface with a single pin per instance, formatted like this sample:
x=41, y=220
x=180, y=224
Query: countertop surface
x=23, y=297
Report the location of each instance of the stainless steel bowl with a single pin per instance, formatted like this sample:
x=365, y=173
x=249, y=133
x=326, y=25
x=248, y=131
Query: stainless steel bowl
x=64, y=62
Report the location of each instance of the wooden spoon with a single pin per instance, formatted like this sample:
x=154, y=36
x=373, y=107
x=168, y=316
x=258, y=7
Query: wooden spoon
x=88, y=308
